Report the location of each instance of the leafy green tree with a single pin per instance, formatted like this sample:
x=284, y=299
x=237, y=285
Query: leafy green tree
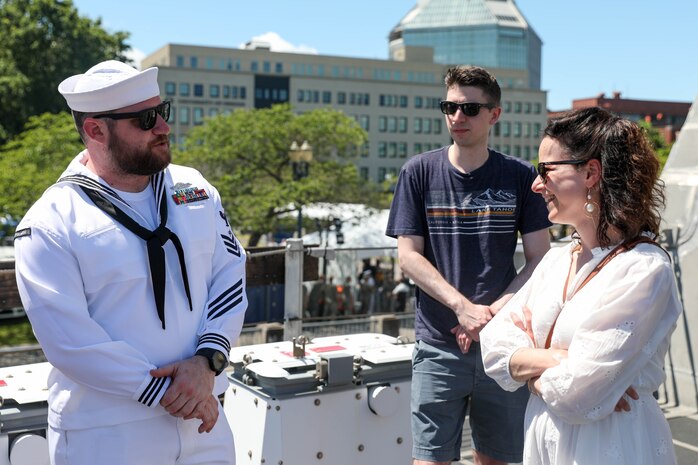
x=659, y=144
x=42, y=42
x=34, y=160
x=245, y=155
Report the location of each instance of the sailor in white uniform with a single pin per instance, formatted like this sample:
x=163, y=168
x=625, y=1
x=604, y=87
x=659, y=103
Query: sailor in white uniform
x=134, y=285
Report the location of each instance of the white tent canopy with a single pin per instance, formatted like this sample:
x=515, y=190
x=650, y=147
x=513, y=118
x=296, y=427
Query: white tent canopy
x=364, y=235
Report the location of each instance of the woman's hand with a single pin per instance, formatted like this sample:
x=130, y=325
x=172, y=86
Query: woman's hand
x=525, y=324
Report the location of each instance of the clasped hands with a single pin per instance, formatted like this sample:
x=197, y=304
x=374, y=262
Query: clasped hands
x=189, y=395
x=472, y=318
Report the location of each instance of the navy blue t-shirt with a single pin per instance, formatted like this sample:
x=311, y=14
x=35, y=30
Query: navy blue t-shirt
x=469, y=223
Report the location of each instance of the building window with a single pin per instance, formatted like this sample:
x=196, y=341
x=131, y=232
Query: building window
x=418, y=102
x=402, y=149
x=365, y=150
x=403, y=101
x=194, y=62
x=364, y=122
x=536, y=108
x=382, y=149
x=527, y=107
x=243, y=92
x=527, y=129
x=418, y=125
x=392, y=149
x=382, y=123
x=254, y=66
x=214, y=90
x=517, y=107
x=184, y=89
x=437, y=126
x=226, y=91
x=170, y=88
x=184, y=115
x=506, y=129
x=392, y=124
x=507, y=106
x=213, y=111
x=495, y=129
x=517, y=129
x=198, y=90
x=417, y=147
x=402, y=124
x=279, y=68
x=381, y=174
x=180, y=61
x=198, y=115
x=326, y=96
x=341, y=98
x=266, y=67
x=536, y=129
x=363, y=172
x=427, y=126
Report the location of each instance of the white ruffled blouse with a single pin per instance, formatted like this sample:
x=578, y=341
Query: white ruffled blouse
x=617, y=330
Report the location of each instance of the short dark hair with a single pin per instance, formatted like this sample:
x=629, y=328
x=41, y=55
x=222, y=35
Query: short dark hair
x=476, y=77
x=632, y=195
x=79, y=118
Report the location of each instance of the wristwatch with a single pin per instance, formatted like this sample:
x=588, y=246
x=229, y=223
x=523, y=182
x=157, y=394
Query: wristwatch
x=217, y=361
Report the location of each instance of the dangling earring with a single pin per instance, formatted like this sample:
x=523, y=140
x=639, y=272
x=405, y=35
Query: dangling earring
x=589, y=205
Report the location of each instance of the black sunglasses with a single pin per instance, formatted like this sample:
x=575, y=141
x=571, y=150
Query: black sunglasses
x=467, y=108
x=146, y=118
x=543, y=166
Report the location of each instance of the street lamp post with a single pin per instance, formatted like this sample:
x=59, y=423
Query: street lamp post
x=300, y=162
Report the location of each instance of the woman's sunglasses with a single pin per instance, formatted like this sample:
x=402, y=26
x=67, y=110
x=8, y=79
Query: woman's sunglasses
x=543, y=167
x=146, y=118
x=468, y=108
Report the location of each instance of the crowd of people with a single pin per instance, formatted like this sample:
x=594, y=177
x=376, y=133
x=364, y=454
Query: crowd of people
x=372, y=291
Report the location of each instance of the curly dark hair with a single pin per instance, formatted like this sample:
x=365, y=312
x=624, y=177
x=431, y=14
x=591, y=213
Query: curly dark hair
x=632, y=195
x=476, y=77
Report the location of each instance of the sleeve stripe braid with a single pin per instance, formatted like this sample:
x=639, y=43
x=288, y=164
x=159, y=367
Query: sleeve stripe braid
x=224, y=298
x=217, y=339
x=151, y=392
x=212, y=315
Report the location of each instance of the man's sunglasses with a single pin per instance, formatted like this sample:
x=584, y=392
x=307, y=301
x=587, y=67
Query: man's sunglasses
x=543, y=167
x=146, y=118
x=467, y=108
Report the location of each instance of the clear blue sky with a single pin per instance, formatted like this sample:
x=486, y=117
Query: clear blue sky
x=644, y=49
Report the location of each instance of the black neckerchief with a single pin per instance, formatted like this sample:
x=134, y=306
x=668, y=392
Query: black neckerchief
x=155, y=239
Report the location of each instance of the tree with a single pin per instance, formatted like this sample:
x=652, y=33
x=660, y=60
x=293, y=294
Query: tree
x=34, y=160
x=245, y=155
x=43, y=42
x=660, y=145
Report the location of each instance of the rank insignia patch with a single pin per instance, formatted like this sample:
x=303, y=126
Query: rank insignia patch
x=188, y=195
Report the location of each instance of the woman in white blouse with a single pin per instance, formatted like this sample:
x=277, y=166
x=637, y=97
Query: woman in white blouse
x=590, y=329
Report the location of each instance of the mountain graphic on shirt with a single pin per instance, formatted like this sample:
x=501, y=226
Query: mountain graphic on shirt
x=490, y=198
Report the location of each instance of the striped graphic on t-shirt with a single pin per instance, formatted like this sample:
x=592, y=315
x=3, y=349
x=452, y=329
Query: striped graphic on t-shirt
x=471, y=213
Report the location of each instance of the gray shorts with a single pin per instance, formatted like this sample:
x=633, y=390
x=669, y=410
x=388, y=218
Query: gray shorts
x=444, y=382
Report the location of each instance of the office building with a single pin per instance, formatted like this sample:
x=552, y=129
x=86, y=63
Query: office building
x=667, y=117
x=396, y=101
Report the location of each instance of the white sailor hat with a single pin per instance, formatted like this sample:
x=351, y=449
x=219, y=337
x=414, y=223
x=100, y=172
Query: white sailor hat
x=109, y=85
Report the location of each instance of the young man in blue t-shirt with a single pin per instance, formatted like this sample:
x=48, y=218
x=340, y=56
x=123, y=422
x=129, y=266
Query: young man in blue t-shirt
x=456, y=213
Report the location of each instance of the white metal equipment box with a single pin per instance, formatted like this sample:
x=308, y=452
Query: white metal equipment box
x=337, y=400
x=23, y=408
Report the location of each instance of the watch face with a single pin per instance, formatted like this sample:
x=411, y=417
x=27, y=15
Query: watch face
x=220, y=362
